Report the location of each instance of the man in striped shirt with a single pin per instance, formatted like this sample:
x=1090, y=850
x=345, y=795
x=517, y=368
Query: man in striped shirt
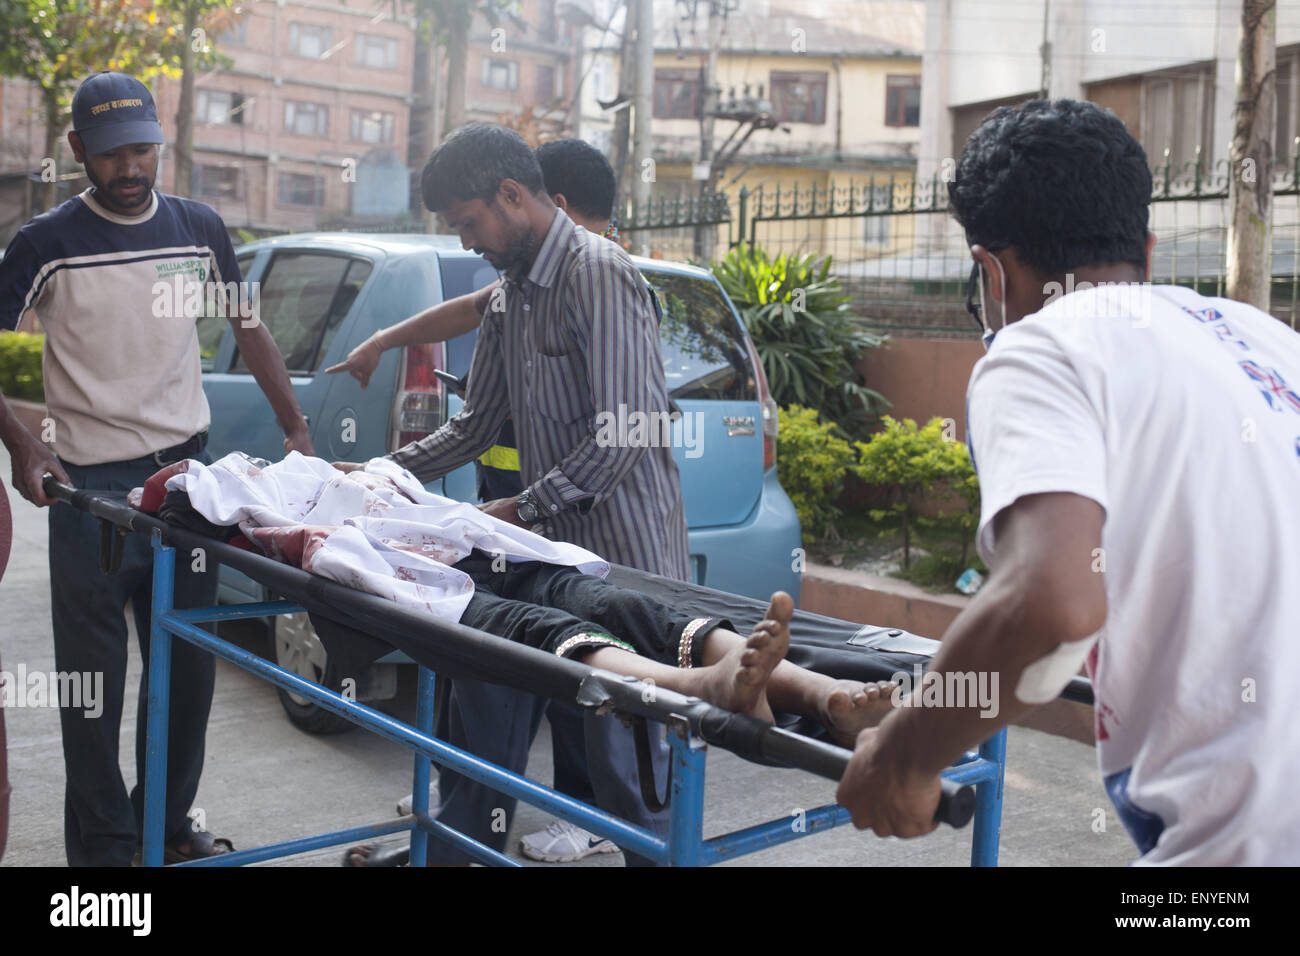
x=571, y=334
x=576, y=337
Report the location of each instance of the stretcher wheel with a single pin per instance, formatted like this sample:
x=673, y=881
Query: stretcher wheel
x=298, y=649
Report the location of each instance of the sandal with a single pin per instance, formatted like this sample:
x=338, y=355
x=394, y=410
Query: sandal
x=371, y=856
x=202, y=845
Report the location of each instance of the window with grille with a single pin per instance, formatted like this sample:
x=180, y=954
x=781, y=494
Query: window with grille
x=1177, y=114
x=372, y=126
x=798, y=97
x=306, y=119
x=307, y=39
x=677, y=94
x=500, y=74
x=221, y=108
x=301, y=189
x=216, y=182
x=902, y=101
x=379, y=53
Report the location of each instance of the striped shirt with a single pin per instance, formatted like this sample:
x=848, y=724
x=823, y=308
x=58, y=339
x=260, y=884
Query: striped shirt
x=577, y=338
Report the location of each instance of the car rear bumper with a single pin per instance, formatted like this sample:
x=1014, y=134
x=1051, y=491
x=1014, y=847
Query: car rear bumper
x=760, y=555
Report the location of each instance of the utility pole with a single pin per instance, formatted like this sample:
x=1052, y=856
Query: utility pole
x=643, y=169
x=706, y=236
x=420, y=142
x=619, y=154
x=183, y=169
x=1250, y=187
x=1045, y=54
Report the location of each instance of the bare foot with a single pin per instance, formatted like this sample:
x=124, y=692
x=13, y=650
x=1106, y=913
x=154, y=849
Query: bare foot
x=738, y=681
x=849, y=706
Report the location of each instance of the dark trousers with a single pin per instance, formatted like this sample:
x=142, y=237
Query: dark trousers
x=498, y=724
x=102, y=823
x=543, y=605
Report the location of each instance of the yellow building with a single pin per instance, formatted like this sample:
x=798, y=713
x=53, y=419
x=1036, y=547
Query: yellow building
x=845, y=105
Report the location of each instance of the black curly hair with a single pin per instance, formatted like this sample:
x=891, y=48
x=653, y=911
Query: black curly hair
x=581, y=172
x=1063, y=182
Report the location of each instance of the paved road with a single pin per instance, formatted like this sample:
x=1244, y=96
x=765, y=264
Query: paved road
x=265, y=781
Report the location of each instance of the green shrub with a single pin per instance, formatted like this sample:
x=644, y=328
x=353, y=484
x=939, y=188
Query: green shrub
x=807, y=339
x=811, y=461
x=20, y=366
x=908, y=462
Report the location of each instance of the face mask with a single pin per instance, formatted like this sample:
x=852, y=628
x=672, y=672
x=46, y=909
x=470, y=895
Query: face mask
x=989, y=332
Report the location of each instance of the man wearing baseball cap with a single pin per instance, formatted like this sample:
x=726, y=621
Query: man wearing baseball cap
x=125, y=395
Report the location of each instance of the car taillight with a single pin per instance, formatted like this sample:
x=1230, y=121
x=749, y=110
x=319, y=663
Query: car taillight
x=768, y=407
x=418, y=403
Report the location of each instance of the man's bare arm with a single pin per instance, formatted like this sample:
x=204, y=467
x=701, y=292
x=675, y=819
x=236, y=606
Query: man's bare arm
x=1042, y=592
x=267, y=365
x=441, y=322
x=31, y=459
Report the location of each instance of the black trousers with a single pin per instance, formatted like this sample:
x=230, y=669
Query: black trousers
x=102, y=822
x=561, y=610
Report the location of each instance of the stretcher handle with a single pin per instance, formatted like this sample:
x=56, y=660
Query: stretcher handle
x=118, y=512
x=956, y=800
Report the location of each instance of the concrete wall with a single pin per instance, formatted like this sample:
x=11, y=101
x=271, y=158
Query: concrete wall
x=923, y=377
x=872, y=599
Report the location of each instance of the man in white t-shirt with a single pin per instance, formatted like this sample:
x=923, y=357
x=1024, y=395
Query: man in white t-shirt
x=1138, y=449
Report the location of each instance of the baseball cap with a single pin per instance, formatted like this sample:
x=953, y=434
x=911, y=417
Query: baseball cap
x=112, y=109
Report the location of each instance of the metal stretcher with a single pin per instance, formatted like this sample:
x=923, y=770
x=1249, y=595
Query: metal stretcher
x=971, y=787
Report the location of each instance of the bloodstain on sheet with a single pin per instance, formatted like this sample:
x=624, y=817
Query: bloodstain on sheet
x=292, y=544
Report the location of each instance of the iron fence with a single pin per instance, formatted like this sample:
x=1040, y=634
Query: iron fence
x=905, y=262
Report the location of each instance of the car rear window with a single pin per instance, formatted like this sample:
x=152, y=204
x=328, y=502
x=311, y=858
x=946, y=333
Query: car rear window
x=305, y=297
x=704, y=346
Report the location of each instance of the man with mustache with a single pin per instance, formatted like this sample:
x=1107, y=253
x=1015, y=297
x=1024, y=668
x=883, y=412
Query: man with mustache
x=576, y=334
x=124, y=390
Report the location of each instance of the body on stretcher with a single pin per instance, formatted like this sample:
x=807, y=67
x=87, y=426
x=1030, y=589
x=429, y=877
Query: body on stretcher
x=463, y=652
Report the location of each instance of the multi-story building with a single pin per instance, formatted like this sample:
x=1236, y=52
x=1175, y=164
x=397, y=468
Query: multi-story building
x=840, y=82
x=1168, y=71
x=309, y=125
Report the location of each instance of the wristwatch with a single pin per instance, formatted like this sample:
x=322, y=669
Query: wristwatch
x=527, y=510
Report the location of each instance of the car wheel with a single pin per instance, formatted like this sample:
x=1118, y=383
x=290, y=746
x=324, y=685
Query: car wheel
x=299, y=651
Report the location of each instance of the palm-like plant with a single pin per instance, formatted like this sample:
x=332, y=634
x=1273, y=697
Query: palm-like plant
x=807, y=339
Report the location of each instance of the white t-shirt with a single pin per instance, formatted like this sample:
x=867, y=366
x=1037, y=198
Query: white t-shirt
x=1180, y=416
x=376, y=530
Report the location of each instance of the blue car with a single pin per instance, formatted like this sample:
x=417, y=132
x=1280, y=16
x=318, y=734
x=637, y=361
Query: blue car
x=322, y=294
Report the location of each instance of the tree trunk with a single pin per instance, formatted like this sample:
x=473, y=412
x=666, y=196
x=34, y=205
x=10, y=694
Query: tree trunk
x=705, y=236
x=420, y=141
x=53, y=126
x=1250, y=188
x=643, y=171
x=461, y=18
x=183, y=180
x=620, y=138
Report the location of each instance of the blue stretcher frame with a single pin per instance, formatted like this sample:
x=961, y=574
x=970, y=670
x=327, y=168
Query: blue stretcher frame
x=684, y=846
